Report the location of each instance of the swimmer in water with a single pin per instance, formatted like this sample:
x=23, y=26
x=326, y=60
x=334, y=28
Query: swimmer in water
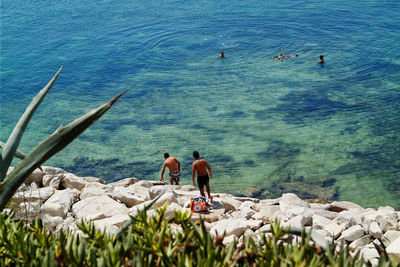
x=221, y=55
x=280, y=56
x=321, y=60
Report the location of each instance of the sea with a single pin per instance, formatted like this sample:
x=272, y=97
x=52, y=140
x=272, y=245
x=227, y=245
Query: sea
x=322, y=131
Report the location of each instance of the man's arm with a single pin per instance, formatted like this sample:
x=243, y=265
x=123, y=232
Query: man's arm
x=193, y=174
x=209, y=170
x=162, y=172
x=179, y=164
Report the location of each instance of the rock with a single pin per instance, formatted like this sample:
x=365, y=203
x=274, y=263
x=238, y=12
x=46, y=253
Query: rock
x=35, y=177
x=394, y=249
x=389, y=237
x=338, y=206
x=387, y=219
x=126, y=196
x=96, y=189
x=334, y=229
x=144, y=183
x=52, y=170
x=289, y=200
x=246, y=213
x=125, y=182
x=141, y=191
x=331, y=215
x=72, y=181
x=319, y=206
x=369, y=253
x=170, y=197
x=319, y=222
x=229, y=204
x=90, y=179
x=378, y=245
x=116, y=220
x=234, y=226
x=353, y=233
x=104, y=226
x=67, y=224
x=96, y=216
x=32, y=195
x=249, y=234
x=28, y=210
x=171, y=209
x=51, y=222
x=187, y=188
x=375, y=231
x=266, y=213
x=360, y=242
x=300, y=221
x=229, y=240
x=95, y=204
x=160, y=190
x=348, y=218
x=60, y=202
x=247, y=204
x=52, y=180
x=264, y=229
x=213, y=215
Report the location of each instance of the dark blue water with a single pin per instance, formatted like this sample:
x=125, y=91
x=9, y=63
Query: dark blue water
x=266, y=126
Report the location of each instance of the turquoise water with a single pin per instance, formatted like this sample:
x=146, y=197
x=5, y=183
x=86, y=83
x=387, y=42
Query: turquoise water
x=266, y=127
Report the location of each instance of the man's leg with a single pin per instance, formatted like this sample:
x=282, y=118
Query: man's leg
x=208, y=191
x=202, y=191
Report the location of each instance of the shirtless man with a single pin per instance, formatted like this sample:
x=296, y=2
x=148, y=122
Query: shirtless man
x=201, y=166
x=174, y=167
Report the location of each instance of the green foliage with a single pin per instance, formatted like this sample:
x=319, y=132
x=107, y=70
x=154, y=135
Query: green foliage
x=46, y=149
x=151, y=241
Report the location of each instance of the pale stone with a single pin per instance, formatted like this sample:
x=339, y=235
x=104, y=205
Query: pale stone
x=360, y=242
x=96, y=216
x=70, y=180
x=229, y=240
x=126, y=196
x=300, y=221
x=234, y=226
x=91, y=179
x=334, y=229
x=35, y=177
x=338, y=206
x=319, y=206
x=60, y=202
x=244, y=199
x=369, y=252
x=387, y=219
x=331, y=215
x=117, y=220
x=176, y=229
x=96, y=189
x=289, y=200
x=394, y=249
x=290, y=213
x=28, y=210
x=187, y=188
x=160, y=190
x=66, y=225
x=230, y=204
x=139, y=190
x=266, y=213
x=347, y=218
x=247, y=204
x=105, y=227
x=170, y=197
x=52, y=180
x=270, y=202
x=52, y=170
x=389, y=237
x=144, y=183
x=375, y=231
x=353, y=233
x=51, y=222
x=264, y=229
x=171, y=209
x=378, y=245
x=246, y=213
x=95, y=204
x=157, y=182
x=125, y=182
x=31, y=195
x=319, y=222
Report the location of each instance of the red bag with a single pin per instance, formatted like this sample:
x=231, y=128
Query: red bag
x=199, y=204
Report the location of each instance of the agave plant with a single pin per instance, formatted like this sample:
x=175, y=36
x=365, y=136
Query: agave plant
x=46, y=149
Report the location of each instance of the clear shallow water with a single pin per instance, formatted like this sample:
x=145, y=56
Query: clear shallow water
x=265, y=126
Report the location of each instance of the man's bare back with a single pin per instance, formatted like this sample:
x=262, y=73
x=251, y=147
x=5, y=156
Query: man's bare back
x=172, y=164
x=174, y=167
x=201, y=166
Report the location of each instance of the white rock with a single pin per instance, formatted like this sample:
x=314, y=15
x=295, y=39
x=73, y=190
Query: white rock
x=387, y=219
x=117, y=220
x=319, y=206
x=35, y=177
x=264, y=229
x=139, y=190
x=353, y=233
x=389, y=237
x=144, y=183
x=126, y=196
x=96, y=216
x=229, y=240
x=334, y=229
x=369, y=252
x=229, y=204
x=90, y=179
x=67, y=224
x=188, y=188
x=51, y=222
x=32, y=195
x=104, y=226
x=300, y=221
x=247, y=204
x=60, y=202
x=52, y=180
x=360, y=242
x=338, y=206
x=171, y=209
x=331, y=215
x=125, y=182
x=375, y=231
x=28, y=210
x=170, y=197
x=266, y=213
x=319, y=222
x=289, y=200
x=52, y=170
x=247, y=213
x=394, y=249
x=96, y=189
x=234, y=226
x=95, y=204
x=213, y=215
x=160, y=190
x=349, y=218
x=70, y=180
x=378, y=245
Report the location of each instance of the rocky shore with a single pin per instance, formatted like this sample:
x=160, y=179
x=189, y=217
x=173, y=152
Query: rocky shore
x=61, y=199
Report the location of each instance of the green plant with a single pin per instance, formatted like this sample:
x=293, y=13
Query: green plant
x=46, y=149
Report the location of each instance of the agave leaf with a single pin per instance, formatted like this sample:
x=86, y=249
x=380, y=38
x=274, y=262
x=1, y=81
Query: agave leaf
x=14, y=139
x=49, y=147
x=18, y=154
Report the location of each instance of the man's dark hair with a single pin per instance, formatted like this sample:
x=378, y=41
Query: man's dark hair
x=166, y=155
x=196, y=154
